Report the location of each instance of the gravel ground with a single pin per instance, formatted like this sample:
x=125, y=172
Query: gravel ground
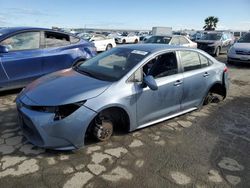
x=206, y=148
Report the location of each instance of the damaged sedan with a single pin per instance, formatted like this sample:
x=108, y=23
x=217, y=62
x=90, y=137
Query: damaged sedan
x=125, y=88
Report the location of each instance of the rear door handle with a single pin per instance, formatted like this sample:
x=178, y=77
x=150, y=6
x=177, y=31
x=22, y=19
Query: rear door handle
x=177, y=83
x=206, y=74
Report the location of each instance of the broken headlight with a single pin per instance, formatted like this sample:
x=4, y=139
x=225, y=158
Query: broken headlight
x=61, y=111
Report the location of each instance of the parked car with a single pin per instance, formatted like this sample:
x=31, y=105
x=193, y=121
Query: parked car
x=127, y=38
x=196, y=36
x=240, y=51
x=238, y=34
x=127, y=88
x=27, y=53
x=102, y=43
x=215, y=43
x=174, y=40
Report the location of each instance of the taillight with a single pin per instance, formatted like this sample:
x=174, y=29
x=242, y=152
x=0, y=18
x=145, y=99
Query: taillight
x=225, y=69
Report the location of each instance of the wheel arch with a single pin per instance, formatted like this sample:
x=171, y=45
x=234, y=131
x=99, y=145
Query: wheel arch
x=218, y=88
x=119, y=112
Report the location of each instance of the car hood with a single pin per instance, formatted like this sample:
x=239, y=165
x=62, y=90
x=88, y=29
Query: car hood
x=242, y=46
x=64, y=87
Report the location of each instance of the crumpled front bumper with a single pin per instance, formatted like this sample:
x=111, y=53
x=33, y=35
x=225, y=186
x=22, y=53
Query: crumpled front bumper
x=42, y=130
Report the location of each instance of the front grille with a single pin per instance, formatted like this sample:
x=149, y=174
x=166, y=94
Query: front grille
x=202, y=46
x=242, y=52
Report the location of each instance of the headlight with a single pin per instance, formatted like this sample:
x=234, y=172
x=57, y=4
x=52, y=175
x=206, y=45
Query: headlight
x=61, y=111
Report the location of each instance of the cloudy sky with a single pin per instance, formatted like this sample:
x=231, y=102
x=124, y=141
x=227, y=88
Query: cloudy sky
x=129, y=14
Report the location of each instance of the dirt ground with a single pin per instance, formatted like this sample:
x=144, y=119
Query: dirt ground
x=206, y=148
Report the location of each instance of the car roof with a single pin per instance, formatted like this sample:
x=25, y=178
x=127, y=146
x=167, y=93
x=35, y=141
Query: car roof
x=10, y=30
x=14, y=29
x=152, y=47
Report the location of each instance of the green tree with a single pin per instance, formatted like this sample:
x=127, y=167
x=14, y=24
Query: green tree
x=210, y=23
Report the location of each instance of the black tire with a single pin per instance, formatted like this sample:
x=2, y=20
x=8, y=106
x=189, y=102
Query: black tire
x=103, y=128
x=109, y=46
x=123, y=41
x=136, y=41
x=217, y=52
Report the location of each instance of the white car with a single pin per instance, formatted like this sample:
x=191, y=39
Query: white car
x=173, y=40
x=102, y=43
x=130, y=38
x=240, y=51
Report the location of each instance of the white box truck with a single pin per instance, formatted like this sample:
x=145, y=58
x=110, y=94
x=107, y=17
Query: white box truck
x=162, y=31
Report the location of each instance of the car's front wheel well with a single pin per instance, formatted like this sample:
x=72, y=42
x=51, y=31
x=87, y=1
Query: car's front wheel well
x=117, y=116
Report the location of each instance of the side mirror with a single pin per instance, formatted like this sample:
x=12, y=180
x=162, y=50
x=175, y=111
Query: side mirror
x=150, y=82
x=3, y=49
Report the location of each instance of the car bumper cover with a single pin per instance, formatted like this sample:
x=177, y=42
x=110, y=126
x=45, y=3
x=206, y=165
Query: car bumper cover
x=42, y=130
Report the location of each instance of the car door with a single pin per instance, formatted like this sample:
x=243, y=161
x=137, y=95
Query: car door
x=23, y=62
x=226, y=42
x=194, y=79
x=57, y=54
x=165, y=101
x=3, y=76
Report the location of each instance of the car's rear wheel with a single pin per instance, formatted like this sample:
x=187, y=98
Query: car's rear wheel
x=103, y=128
x=123, y=41
x=208, y=99
x=109, y=46
x=136, y=41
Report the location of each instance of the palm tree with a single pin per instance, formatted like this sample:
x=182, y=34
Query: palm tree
x=211, y=23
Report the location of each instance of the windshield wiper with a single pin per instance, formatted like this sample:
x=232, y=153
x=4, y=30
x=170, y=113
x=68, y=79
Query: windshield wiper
x=76, y=68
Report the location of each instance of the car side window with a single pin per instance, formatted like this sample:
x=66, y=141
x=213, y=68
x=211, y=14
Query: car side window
x=161, y=66
x=175, y=41
x=183, y=40
x=190, y=60
x=22, y=41
x=204, y=61
x=53, y=39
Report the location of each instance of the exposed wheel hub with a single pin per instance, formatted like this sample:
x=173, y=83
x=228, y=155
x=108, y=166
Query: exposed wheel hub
x=103, y=129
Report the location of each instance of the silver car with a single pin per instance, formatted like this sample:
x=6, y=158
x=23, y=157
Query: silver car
x=240, y=51
x=128, y=88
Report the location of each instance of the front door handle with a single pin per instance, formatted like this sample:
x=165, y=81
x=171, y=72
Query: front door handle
x=177, y=83
x=206, y=74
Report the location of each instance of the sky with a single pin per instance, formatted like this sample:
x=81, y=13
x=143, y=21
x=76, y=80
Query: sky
x=126, y=14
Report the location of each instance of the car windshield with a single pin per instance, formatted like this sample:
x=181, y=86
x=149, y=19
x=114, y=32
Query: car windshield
x=158, y=39
x=111, y=65
x=211, y=36
x=245, y=38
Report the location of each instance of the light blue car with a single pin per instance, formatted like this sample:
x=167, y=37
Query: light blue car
x=126, y=88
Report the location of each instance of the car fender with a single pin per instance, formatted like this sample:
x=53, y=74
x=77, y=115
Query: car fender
x=132, y=118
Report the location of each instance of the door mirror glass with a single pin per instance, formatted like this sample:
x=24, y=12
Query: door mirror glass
x=3, y=49
x=150, y=82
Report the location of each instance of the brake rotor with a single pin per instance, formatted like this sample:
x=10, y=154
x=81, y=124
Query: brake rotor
x=104, y=130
